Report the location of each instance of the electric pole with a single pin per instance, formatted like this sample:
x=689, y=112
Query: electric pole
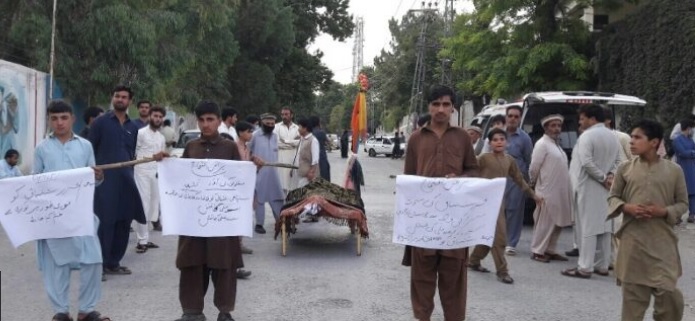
x=449, y=14
x=416, y=98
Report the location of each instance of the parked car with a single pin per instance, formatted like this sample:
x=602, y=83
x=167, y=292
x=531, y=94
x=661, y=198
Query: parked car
x=536, y=106
x=482, y=120
x=186, y=136
x=382, y=145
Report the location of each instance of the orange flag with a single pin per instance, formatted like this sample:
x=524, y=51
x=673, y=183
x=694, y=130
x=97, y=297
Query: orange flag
x=359, y=120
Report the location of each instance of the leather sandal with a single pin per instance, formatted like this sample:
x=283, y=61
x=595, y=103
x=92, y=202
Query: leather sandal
x=556, y=257
x=540, y=258
x=601, y=273
x=140, y=248
x=505, y=278
x=121, y=270
x=575, y=273
x=478, y=268
x=61, y=317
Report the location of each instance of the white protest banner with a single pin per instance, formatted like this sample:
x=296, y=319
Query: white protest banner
x=206, y=197
x=47, y=206
x=446, y=213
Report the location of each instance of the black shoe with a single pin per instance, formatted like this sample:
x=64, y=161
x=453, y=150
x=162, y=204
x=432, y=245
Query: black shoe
x=224, y=317
x=573, y=252
x=192, y=317
x=259, y=229
x=242, y=274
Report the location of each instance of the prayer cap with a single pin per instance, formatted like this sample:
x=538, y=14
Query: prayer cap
x=268, y=116
x=475, y=129
x=548, y=118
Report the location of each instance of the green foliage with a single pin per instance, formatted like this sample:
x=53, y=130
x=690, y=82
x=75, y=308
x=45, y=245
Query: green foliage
x=650, y=55
x=392, y=78
x=509, y=47
x=245, y=53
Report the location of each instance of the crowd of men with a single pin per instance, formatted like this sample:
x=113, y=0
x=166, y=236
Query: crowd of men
x=616, y=191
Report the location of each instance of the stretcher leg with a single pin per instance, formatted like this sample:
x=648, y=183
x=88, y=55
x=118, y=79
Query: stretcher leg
x=359, y=243
x=284, y=238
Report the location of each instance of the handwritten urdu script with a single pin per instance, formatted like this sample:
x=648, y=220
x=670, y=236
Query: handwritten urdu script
x=446, y=213
x=46, y=206
x=206, y=197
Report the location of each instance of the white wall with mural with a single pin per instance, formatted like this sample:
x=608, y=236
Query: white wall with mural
x=23, y=97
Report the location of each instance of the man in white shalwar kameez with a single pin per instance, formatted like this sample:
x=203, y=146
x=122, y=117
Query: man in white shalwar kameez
x=594, y=160
x=288, y=143
x=150, y=143
x=548, y=172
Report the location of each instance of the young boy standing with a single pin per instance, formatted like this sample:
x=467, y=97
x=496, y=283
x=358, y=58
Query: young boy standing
x=651, y=194
x=64, y=150
x=493, y=165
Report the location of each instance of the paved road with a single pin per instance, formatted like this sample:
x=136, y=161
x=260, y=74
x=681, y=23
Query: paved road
x=322, y=279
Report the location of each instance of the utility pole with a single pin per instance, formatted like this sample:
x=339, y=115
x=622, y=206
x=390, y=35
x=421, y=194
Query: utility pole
x=416, y=98
x=449, y=14
x=358, y=48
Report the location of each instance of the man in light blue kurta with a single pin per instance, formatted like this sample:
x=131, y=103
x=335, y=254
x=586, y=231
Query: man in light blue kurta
x=264, y=145
x=520, y=147
x=64, y=150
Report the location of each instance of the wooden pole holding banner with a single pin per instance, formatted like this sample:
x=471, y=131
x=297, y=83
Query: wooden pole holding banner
x=359, y=242
x=150, y=159
x=284, y=236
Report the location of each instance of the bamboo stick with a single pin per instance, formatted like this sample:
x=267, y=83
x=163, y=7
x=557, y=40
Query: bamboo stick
x=150, y=159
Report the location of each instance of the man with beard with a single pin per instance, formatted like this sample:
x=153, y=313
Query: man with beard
x=288, y=143
x=8, y=166
x=264, y=145
x=150, y=143
x=116, y=201
x=549, y=174
x=144, y=112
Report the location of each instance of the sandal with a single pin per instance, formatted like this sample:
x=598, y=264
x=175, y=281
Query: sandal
x=121, y=270
x=61, y=317
x=94, y=316
x=540, y=258
x=601, y=273
x=575, y=273
x=478, y=268
x=505, y=278
x=556, y=257
x=140, y=248
x=151, y=245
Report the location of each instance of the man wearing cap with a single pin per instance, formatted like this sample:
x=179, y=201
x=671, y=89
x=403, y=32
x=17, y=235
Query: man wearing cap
x=550, y=175
x=475, y=132
x=9, y=121
x=264, y=145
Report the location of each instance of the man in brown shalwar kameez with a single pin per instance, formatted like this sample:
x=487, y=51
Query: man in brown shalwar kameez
x=650, y=194
x=439, y=150
x=200, y=258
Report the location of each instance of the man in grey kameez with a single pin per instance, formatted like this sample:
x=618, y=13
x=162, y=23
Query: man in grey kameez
x=264, y=145
x=594, y=160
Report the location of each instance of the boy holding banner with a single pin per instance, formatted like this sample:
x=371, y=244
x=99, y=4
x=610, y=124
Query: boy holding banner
x=202, y=258
x=493, y=165
x=64, y=150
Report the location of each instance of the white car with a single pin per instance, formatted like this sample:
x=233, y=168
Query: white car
x=186, y=136
x=382, y=145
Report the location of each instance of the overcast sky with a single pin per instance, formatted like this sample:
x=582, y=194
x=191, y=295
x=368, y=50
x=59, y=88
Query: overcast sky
x=376, y=14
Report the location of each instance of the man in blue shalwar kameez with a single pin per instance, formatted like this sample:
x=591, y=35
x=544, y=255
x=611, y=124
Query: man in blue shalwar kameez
x=117, y=201
x=64, y=150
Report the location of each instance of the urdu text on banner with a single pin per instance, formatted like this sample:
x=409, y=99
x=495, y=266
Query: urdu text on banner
x=206, y=197
x=47, y=206
x=446, y=213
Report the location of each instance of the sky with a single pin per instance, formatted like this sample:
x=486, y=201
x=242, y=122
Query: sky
x=376, y=14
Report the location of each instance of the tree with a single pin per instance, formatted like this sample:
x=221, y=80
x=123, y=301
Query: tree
x=509, y=47
x=649, y=55
x=392, y=79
